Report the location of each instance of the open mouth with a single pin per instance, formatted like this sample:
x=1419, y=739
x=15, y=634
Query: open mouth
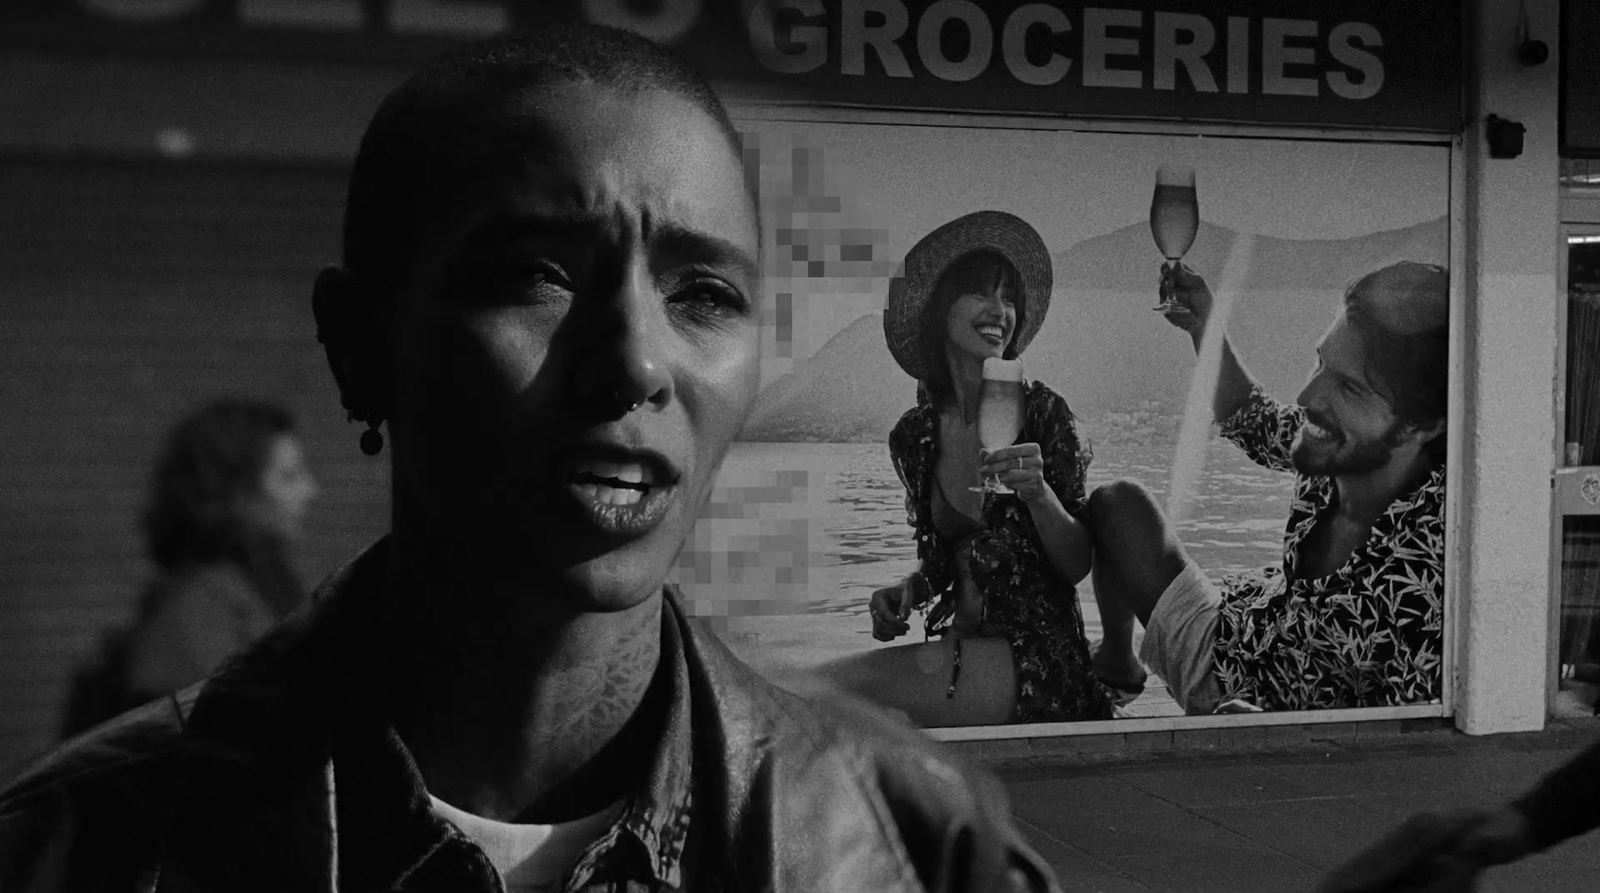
x=991, y=333
x=1316, y=432
x=614, y=483
x=621, y=492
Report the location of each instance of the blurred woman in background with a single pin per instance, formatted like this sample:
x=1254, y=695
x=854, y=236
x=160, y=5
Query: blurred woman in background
x=228, y=497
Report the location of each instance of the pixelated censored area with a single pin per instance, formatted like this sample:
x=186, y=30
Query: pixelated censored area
x=760, y=545
x=821, y=254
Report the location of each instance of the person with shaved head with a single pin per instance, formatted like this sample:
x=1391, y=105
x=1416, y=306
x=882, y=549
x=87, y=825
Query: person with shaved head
x=549, y=299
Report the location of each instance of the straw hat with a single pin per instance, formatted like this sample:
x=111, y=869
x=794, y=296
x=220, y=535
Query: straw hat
x=909, y=292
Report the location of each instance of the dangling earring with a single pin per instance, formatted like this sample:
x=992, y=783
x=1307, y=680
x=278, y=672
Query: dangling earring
x=372, y=438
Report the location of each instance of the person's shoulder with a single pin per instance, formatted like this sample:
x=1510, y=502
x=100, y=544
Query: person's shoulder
x=1418, y=515
x=1049, y=416
x=912, y=437
x=808, y=712
x=1432, y=491
x=911, y=422
x=1042, y=397
x=115, y=782
x=1423, y=501
x=203, y=594
x=899, y=755
x=925, y=796
x=894, y=750
x=835, y=753
x=128, y=746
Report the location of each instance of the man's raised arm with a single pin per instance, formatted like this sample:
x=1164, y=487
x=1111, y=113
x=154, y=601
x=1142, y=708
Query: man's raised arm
x=1267, y=435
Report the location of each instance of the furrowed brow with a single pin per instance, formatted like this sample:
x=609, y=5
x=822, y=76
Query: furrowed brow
x=685, y=245
x=499, y=230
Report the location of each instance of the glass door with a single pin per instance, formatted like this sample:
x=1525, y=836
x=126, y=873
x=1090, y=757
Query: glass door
x=1576, y=529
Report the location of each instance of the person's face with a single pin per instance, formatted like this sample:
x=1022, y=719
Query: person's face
x=618, y=266
x=979, y=325
x=287, y=487
x=1351, y=428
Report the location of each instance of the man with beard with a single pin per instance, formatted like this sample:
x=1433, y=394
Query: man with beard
x=1353, y=617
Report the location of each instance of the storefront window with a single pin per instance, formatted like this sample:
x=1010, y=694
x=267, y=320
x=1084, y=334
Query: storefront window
x=1578, y=486
x=821, y=505
x=1580, y=615
x=1583, y=351
x=1580, y=173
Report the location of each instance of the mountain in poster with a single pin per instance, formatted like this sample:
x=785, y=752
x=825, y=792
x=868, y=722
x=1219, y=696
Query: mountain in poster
x=1102, y=346
x=850, y=390
x=1126, y=259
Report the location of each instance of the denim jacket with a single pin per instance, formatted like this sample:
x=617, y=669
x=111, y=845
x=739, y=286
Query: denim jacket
x=278, y=774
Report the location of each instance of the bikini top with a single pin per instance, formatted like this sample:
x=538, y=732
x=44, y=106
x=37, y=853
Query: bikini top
x=953, y=525
x=957, y=529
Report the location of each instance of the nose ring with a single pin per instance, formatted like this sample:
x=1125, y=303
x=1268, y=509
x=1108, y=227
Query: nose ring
x=619, y=400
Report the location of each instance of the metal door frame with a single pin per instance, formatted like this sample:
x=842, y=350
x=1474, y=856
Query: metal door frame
x=1580, y=220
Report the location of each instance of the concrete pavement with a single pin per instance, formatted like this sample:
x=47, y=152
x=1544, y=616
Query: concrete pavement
x=1275, y=813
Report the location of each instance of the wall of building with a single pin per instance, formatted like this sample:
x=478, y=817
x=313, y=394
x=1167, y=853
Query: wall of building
x=304, y=117
x=131, y=291
x=1510, y=253
x=187, y=107
x=170, y=215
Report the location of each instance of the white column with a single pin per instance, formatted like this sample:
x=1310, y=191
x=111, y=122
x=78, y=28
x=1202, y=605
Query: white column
x=1510, y=280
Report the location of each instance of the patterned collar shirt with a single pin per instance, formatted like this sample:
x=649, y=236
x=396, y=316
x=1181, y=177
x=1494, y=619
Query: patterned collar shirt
x=1370, y=634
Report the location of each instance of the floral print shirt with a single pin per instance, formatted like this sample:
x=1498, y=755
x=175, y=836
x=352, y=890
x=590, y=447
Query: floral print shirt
x=1368, y=635
x=1025, y=599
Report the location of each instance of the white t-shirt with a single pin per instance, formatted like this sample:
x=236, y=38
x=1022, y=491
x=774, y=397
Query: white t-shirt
x=530, y=858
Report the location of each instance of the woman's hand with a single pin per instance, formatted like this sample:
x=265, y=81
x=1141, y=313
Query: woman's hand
x=890, y=607
x=1065, y=540
x=1191, y=310
x=1020, y=467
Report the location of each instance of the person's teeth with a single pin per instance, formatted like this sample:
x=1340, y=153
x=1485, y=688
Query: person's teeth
x=630, y=474
x=612, y=495
x=627, y=472
x=620, y=495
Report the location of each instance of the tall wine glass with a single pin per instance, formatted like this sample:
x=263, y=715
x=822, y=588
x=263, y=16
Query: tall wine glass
x=999, y=412
x=1174, y=221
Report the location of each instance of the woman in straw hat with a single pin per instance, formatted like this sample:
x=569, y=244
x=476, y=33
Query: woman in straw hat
x=1004, y=567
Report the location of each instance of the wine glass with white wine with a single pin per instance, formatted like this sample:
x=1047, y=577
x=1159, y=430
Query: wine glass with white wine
x=999, y=413
x=1174, y=221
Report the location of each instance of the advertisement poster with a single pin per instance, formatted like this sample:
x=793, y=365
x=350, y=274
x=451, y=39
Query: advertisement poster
x=811, y=516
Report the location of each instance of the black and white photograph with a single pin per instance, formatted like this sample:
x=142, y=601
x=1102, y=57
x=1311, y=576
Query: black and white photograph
x=959, y=446
x=1179, y=309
